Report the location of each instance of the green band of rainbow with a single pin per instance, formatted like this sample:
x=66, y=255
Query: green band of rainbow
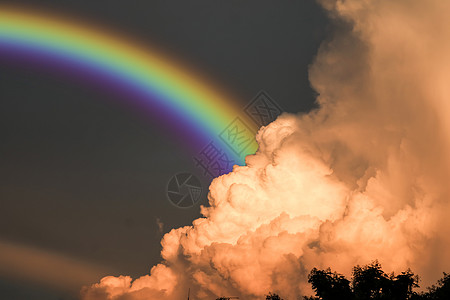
x=158, y=85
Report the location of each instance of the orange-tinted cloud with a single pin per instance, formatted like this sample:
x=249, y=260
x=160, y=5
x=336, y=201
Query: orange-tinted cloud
x=48, y=268
x=363, y=177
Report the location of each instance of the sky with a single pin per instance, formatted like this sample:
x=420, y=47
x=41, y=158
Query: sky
x=83, y=180
x=363, y=177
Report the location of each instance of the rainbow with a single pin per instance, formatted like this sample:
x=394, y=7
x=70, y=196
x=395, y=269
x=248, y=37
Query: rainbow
x=146, y=80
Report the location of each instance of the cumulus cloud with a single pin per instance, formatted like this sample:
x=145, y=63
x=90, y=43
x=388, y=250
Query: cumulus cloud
x=363, y=177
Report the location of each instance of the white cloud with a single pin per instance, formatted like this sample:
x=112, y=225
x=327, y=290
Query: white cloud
x=364, y=177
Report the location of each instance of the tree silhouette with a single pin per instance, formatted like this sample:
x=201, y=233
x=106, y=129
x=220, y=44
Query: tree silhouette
x=368, y=282
x=371, y=282
x=440, y=291
x=271, y=296
x=402, y=285
x=328, y=285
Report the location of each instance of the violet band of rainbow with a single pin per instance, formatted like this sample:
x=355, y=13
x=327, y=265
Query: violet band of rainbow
x=156, y=88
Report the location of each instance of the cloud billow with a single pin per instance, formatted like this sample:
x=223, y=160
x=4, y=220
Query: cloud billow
x=363, y=177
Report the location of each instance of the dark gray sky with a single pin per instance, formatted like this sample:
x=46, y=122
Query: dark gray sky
x=86, y=178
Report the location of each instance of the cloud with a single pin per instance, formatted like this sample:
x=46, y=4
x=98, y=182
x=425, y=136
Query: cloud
x=160, y=225
x=22, y=262
x=363, y=177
